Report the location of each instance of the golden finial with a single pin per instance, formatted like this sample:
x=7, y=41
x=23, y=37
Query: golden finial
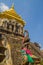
x=12, y=6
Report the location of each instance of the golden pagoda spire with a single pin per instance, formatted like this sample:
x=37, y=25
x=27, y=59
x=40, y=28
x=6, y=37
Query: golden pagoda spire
x=12, y=7
x=11, y=14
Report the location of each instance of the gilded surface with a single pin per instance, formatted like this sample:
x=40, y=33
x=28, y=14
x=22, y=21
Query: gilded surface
x=11, y=14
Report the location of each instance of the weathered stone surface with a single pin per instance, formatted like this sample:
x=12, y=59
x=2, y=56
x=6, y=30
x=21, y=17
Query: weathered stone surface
x=16, y=56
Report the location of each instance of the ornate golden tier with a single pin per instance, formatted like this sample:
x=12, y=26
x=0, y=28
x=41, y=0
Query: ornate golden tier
x=11, y=14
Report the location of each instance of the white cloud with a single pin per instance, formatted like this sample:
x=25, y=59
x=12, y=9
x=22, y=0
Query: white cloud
x=3, y=7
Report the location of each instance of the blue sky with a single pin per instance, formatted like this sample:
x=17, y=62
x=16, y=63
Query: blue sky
x=32, y=12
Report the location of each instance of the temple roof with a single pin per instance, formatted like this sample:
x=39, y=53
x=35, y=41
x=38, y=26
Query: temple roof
x=11, y=14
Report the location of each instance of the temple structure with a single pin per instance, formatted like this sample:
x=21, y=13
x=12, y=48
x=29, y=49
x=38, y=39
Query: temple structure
x=11, y=36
